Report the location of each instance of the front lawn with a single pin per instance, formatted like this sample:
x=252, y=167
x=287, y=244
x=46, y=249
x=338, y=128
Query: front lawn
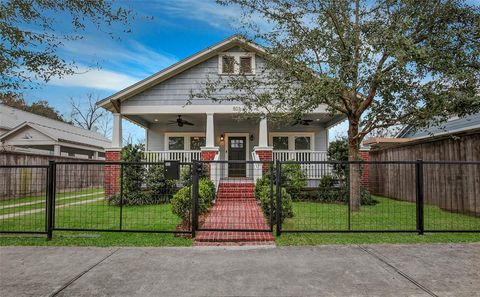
x=388, y=214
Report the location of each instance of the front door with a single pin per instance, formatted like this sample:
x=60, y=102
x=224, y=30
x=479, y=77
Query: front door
x=237, y=150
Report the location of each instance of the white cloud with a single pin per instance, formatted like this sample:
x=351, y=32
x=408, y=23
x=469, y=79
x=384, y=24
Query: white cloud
x=101, y=79
x=208, y=11
x=126, y=55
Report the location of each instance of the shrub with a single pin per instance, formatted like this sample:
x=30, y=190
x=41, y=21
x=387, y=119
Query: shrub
x=294, y=179
x=134, y=198
x=182, y=200
x=206, y=194
x=338, y=151
x=330, y=191
x=159, y=187
x=262, y=193
x=186, y=174
x=182, y=203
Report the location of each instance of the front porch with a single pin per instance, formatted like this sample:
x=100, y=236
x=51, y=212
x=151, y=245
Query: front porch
x=187, y=134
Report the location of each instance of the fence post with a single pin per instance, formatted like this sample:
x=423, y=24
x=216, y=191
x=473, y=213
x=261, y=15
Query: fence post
x=271, y=194
x=195, y=179
x=121, y=196
x=50, y=198
x=419, y=194
x=279, y=199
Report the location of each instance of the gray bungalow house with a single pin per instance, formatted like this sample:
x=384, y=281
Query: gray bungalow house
x=210, y=130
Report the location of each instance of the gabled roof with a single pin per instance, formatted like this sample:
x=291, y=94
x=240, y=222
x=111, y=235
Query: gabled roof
x=112, y=102
x=453, y=125
x=15, y=119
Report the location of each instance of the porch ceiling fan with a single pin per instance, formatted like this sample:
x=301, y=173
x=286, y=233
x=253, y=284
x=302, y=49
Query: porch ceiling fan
x=180, y=122
x=302, y=122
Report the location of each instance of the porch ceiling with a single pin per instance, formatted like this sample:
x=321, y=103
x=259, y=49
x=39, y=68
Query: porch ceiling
x=318, y=119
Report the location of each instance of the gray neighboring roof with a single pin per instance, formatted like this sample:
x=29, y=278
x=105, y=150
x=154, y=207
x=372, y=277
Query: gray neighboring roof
x=14, y=119
x=453, y=125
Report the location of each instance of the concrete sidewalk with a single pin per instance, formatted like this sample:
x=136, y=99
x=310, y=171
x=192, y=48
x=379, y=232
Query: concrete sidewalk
x=370, y=270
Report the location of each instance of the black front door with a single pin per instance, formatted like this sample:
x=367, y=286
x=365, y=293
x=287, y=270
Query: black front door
x=237, y=149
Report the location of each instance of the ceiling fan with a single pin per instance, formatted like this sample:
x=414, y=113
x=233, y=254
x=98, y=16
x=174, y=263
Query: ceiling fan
x=302, y=122
x=180, y=122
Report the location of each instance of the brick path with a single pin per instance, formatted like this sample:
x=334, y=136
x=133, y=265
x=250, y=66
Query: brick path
x=235, y=208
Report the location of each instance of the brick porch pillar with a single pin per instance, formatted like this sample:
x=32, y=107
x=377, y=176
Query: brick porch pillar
x=263, y=151
x=111, y=179
x=365, y=156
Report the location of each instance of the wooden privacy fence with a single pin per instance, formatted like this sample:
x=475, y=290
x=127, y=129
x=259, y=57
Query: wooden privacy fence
x=20, y=182
x=452, y=187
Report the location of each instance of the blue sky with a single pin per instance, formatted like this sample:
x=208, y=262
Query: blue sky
x=179, y=28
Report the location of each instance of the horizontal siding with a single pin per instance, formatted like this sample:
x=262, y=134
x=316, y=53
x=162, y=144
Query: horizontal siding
x=177, y=90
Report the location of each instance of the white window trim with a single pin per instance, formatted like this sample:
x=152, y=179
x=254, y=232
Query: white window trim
x=236, y=65
x=291, y=139
x=186, y=138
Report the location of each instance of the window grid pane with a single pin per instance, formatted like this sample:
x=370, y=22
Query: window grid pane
x=246, y=65
x=302, y=143
x=280, y=143
x=176, y=143
x=197, y=142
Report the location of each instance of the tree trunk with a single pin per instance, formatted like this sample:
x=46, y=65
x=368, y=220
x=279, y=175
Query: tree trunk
x=354, y=169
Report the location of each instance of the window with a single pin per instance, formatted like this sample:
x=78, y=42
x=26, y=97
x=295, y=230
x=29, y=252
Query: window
x=228, y=64
x=196, y=142
x=280, y=143
x=246, y=65
x=176, y=143
x=302, y=143
x=292, y=141
x=236, y=143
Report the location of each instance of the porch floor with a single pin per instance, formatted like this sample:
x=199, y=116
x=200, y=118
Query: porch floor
x=236, y=209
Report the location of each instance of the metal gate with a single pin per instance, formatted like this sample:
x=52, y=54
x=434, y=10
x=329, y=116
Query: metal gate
x=244, y=200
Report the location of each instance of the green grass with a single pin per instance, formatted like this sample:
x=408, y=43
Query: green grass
x=388, y=214
x=99, y=215
x=42, y=198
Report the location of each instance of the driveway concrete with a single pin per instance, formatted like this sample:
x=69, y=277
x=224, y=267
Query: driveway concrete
x=370, y=270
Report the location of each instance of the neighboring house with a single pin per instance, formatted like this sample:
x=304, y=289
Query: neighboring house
x=454, y=127
x=211, y=130
x=22, y=131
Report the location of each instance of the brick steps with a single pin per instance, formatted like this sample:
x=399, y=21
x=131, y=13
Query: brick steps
x=235, y=208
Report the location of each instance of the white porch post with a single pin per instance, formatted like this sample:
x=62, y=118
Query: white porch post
x=263, y=133
x=263, y=151
x=56, y=150
x=117, y=131
x=210, y=133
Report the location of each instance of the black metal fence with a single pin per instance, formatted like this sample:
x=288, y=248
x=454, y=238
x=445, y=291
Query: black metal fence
x=389, y=196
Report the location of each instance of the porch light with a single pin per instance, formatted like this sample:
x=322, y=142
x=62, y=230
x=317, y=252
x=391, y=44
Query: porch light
x=156, y=120
x=221, y=137
x=251, y=137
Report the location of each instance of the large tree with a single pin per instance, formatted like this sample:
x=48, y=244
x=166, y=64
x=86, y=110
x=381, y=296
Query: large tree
x=379, y=63
x=32, y=32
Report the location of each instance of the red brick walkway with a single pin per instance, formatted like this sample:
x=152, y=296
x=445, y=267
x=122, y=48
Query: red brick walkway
x=235, y=208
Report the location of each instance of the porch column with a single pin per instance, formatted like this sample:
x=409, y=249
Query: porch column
x=263, y=151
x=113, y=153
x=56, y=150
x=209, y=151
x=117, y=131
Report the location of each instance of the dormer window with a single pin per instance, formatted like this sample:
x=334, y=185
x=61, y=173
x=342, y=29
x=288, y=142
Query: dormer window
x=236, y=63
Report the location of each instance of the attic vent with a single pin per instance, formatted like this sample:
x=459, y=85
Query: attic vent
x=228, y=64
x=236, y=63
